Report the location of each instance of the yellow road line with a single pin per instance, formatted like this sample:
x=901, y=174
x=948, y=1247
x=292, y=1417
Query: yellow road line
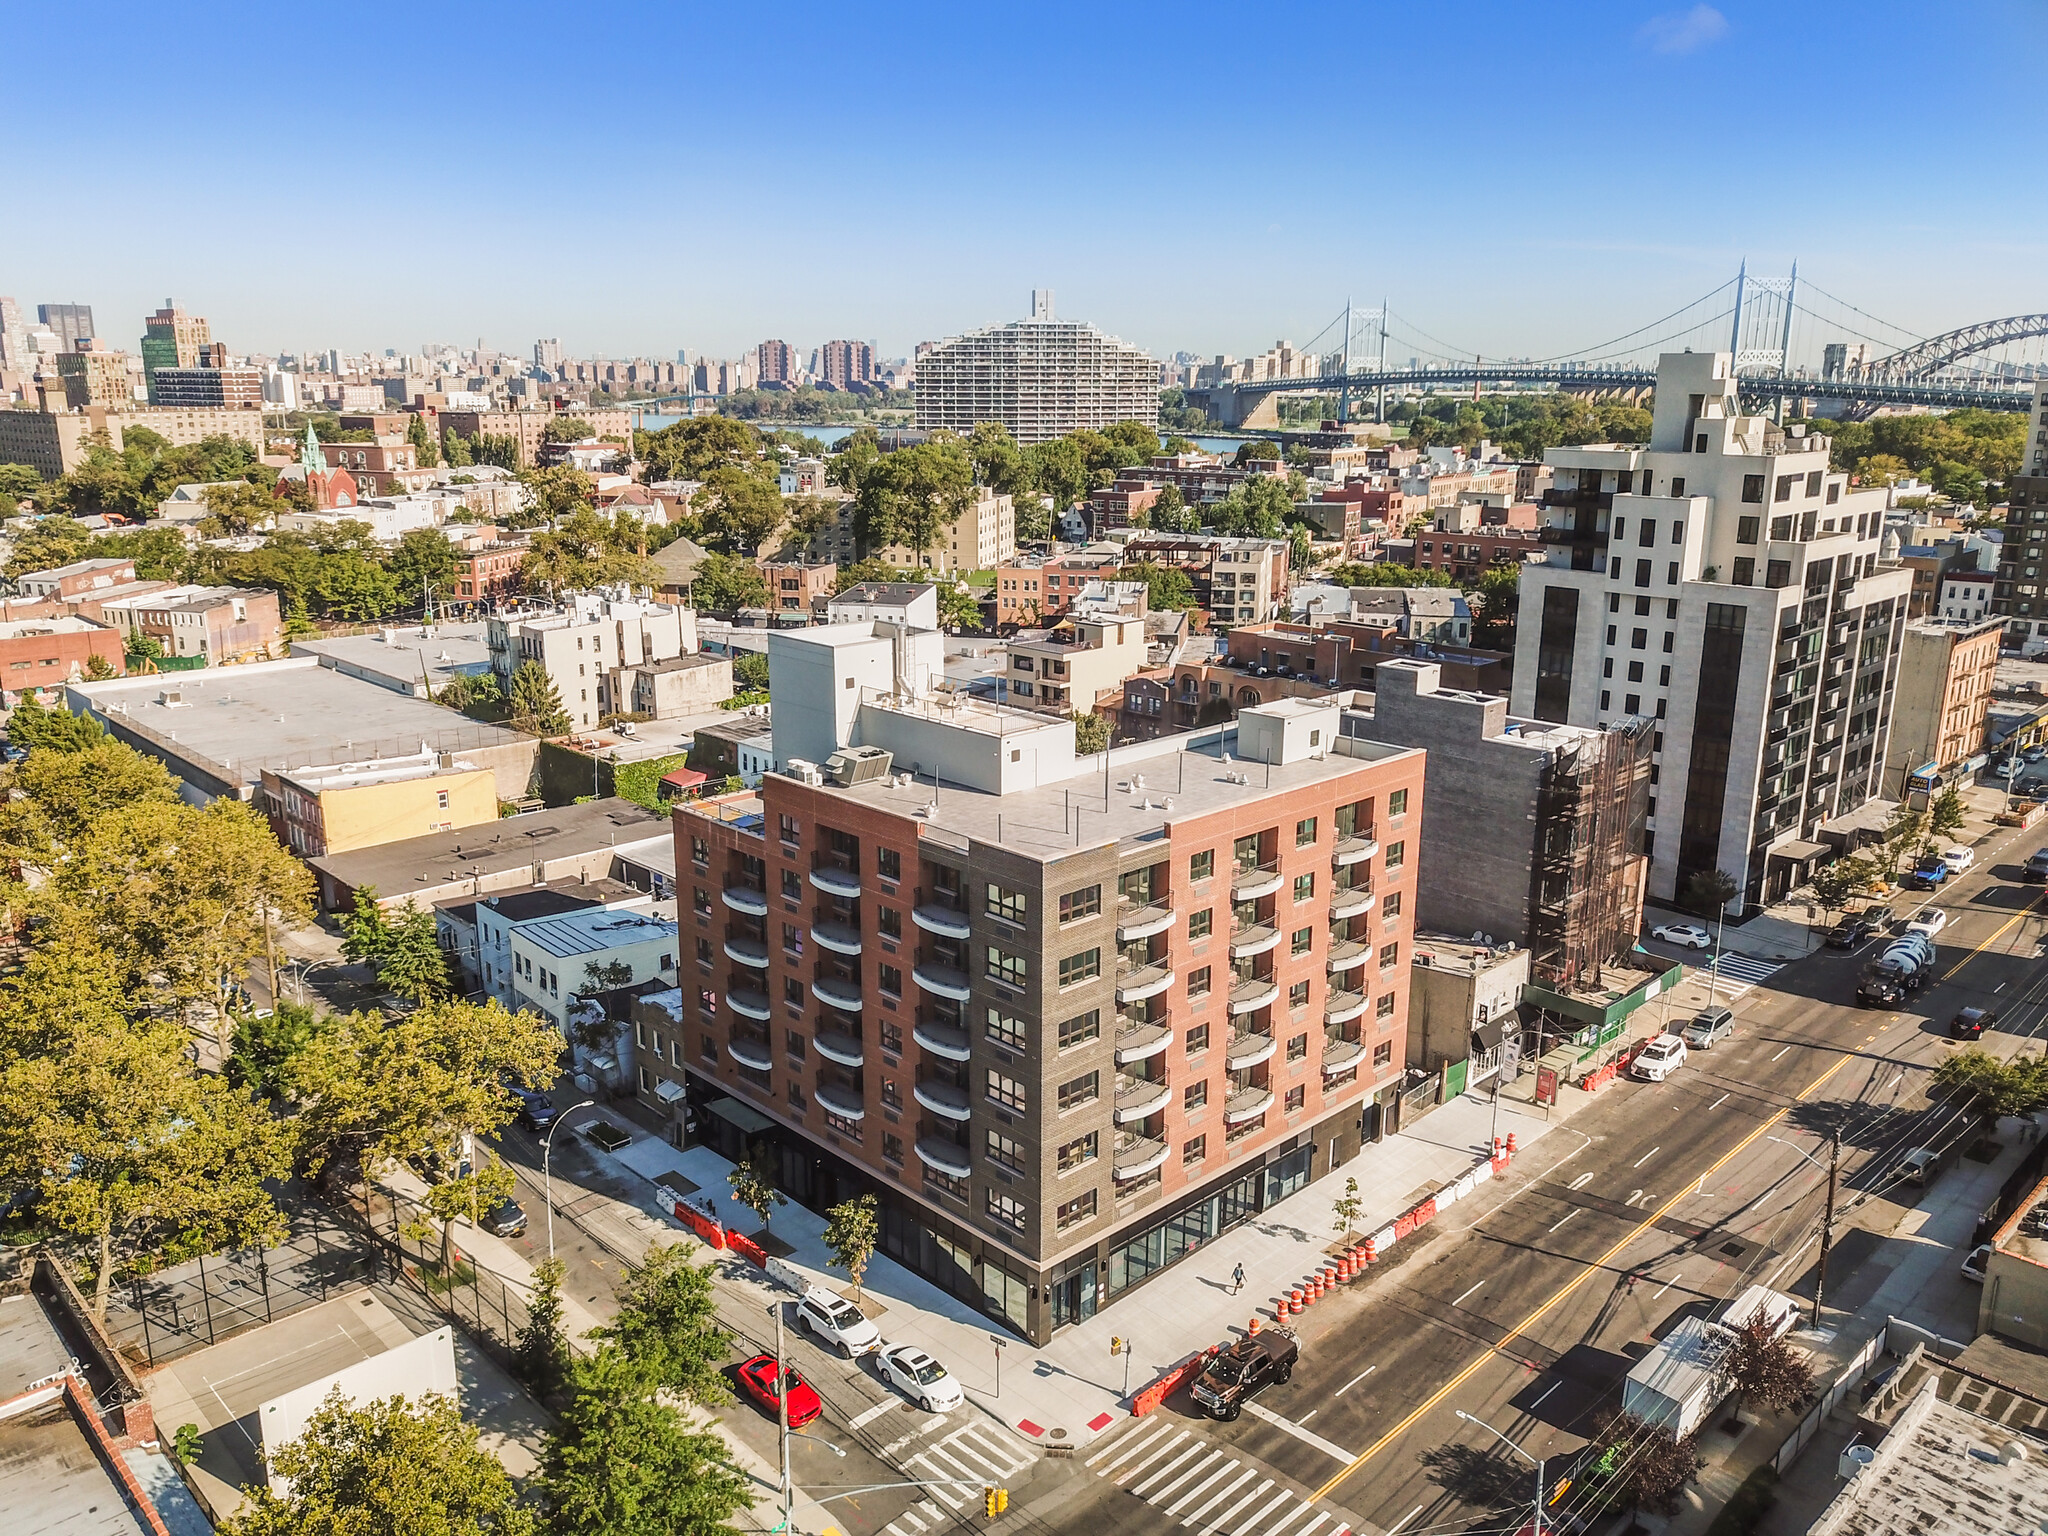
x=1589, y=1270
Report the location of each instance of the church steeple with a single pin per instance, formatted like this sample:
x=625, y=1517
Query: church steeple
x=310, y=458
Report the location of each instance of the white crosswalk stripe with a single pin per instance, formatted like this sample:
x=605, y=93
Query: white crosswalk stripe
x=1738, y=973
x=957, y=1467
x=1204, y=1488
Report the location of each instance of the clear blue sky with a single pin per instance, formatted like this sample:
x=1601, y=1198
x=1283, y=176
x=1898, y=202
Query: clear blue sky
x=1517, y=177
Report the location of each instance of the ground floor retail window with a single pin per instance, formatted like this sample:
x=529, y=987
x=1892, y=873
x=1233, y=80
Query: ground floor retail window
x=1183, y=1232
x=1006, y=1296
x=1287, y=1174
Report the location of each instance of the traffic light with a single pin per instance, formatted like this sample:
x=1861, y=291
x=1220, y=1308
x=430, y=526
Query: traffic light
x=994, y=1500
x=1116, y=1345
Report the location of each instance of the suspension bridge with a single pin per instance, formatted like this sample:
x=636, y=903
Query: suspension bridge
x=1790, y=342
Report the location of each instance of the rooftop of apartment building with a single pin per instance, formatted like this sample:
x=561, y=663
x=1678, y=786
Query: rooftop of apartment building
x=75, y=568
x=512, y=842
x=22, y=629
x=192, y=597
x=888, y=593
x=595, y=930
x=320, y=778
x=1463, y=957
x=550, y=900
x=584, y=608
x=406, y=657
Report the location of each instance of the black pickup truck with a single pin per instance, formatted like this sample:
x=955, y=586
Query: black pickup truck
x=1232, y=1376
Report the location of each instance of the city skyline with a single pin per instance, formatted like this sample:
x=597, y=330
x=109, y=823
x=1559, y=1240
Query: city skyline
x=1548, y=169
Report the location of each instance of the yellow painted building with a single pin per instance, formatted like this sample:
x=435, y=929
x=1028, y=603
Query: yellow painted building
x=322, y=810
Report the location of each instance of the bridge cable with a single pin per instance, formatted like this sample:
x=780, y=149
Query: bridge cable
x=1584, y=355
x=1880, y=320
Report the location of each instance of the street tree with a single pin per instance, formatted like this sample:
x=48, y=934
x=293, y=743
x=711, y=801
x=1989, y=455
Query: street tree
x=1644, y=1466
x=1091, y=733
x=1347, y=1208
x=1835, y=885
x=536, y=706
x=422, y=559
x=478, y=1183
x=541, y=1354
x=809, y=516
x=959, y=607
x=1167, y=586
x=1945, y=815
x=1904, y=831
x=383, y=1468
x=753, y=1185
x=555, y=493
x=1034, y=517
x=1764, y=1368
x=745, y=511
x=426, y=455
x=750, y=672
x=1059, y=470
x=1500, y=600
x=852, y=1228
x=724, y=584
x=1983, y=1085
x=622, y=1461
x=999, y=463
x=667, y=1321
x=51, y=730
x=410, y=960
x=1708, y=891
x=265, y=1048
x=1171, y=513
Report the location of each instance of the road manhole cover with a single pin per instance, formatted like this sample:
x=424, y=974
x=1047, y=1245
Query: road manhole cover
x=1059, y=1434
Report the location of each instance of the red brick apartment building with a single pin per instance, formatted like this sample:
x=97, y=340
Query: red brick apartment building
x=1062, y=1061
x=486, y=573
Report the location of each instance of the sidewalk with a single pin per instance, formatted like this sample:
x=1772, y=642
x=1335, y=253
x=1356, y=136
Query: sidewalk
x=1073, y=1389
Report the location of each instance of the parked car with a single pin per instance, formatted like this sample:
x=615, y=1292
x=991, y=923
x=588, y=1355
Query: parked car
x=536, y=1110
x=1686, y=935
x=836, y=1321
x=1709, y=1025
x=1970, y=1023
x=1850, y=932
x=1921, y=1166
x=761, y=1379
x=2035, y=871
x=1929, y=921
x=1928, y=873
x=1958, y=859
x=1974, y=1266
x=1659, y=1059
x=1231, y=1378
x=921, y=1378
x=2001, y=768
x=505, y=1219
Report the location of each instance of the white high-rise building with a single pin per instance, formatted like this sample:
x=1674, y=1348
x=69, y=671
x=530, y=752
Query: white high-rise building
x=1722, y=580
x=547, y=353
x=1042, y=378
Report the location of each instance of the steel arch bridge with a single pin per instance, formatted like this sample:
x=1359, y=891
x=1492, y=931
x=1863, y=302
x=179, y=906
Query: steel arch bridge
x=1938, y=352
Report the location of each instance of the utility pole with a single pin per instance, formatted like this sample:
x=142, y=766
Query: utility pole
x=782, y=1412
x=1827, y=1224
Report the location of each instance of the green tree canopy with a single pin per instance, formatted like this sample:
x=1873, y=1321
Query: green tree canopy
x=1168, y=585
x=536, y=706
x=725, y=584
x=667, y=1323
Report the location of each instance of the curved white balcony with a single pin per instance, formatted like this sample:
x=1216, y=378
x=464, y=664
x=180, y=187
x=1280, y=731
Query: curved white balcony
x=1136, y=983
x=1353, y=850
x=1248, y=1050
x=747, y=951
x=1349, y=955
x=942, y=981
x=1250, y=996
x=937, y=1152
x=750, y=1053
x=840, y=938
x=1251, y=884
x=1246, y=1104
x=1136, y=1156
x=1345, y=905
x=834, y=993
x=943, y=1099
x=941, y=1039
x=1137, y=1097
x=1341, y=1056
x=1343, y=1007
x=744, y=898
x=1142, y=922
x=1141, y=1042
x=1253, y=939
x=749, y=1004
x=835, y=1100
x=844, y=1049
x=943, y=921
x=834, y=881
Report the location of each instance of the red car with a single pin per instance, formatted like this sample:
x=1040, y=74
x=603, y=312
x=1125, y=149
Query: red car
x=758, y=1377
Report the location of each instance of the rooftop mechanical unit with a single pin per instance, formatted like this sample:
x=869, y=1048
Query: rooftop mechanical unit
x=857, y=765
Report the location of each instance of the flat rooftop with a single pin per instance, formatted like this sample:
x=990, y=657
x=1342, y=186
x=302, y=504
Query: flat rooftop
x=22, y=629
x=509, y=843
x=1184, y=776
x=406, y=654
x=52, y=1479
x=277, y=714
x=589, y=932
x=1461, y=956
x=31, y=1349
x=550, y=900
x=1941, y=1472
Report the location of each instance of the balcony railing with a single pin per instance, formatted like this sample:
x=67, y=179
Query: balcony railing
x=1248, y=882
x=836, y=874
x=1142, y=1039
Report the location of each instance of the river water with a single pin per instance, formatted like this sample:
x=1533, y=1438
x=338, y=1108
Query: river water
x=831, y=437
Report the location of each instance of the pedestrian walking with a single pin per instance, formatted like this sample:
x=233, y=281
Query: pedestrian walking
x=1237, y=1280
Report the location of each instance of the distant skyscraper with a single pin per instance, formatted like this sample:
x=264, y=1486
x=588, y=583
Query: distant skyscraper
x=13, y=335
x=172, y=339
x=776, y=363
x=548, y=354
x=71, y=322
x=1041, y=378
x=845, y=363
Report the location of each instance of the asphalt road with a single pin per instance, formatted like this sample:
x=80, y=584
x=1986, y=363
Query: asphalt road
x=1657, y=1200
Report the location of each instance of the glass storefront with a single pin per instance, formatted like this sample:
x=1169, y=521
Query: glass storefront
x=1284, y=1175
x=1183, y=1232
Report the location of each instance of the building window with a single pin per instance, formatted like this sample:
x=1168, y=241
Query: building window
x=1297, y=995
x=1076, y=905
x=892, y=1037
x=1383, y=1053
x=1006, y=1209
x=1006, y=1091
x=1010, y=970
x=1005, y=1031
x=1008, y=905
x=891, y=980
x=1305, y=832
x=1197, y=1040
x=1202, y=865
x=1198, y=982
x=1200, y=923
x=1745, y=571
x=1085, y=1089
x=1081, y=1150
x=1075, y=1211
x=1082, y=1027
x=1001, y=1149
x=1305, y=887
x=1296, y=1098
x=792, y=991
x=890, y=921
x=792, y=887
x=892, y=1147
x=888, y=864
x=787, y=826
x=1397, y=804
x=1397, y=855
x=1193, y=1151
x=700, y=901
x=1075, y=969
x=1194, y=1096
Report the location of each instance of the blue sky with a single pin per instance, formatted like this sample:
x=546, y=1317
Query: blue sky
x=1517, y=178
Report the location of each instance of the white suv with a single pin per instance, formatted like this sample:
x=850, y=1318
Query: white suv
x=836, y=1321
x=1659, y=1059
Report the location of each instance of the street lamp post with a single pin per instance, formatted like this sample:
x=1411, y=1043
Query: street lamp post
x=547, y=1179
x=1827, y=1220
x=1534, y=1461
x=300, y=973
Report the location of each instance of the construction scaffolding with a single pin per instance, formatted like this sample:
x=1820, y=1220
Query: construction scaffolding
x=1587, y=877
